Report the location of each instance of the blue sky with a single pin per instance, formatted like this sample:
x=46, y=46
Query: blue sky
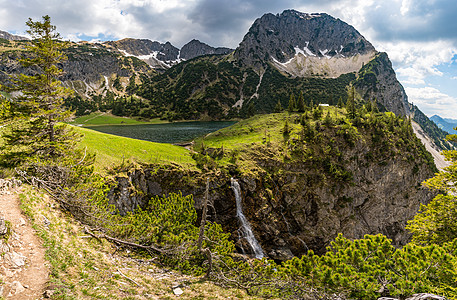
x=420, y=36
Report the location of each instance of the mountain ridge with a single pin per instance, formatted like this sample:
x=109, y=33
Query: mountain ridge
x=445, y=124
x=11, y=37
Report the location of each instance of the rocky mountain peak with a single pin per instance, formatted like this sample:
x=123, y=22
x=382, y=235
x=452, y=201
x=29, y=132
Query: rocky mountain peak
x=196, y=48
x=156, y=54
x=283, y=37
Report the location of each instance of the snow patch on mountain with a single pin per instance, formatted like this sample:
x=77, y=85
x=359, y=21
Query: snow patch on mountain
x=303, y=65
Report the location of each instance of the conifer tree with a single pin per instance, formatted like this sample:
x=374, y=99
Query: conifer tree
x=117, y=84
x=37, y=107
x=291, y=106
x=328, y=119
x=130, y=89
x=368, y=106
x=301, y=102
x=340, y=102
x=350, y=104
x=278, y=107
x=286, y=129
x=374, y=106
x=251, y=109
x=311, y=104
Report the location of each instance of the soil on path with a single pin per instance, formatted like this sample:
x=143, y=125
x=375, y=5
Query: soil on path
x=23, y=269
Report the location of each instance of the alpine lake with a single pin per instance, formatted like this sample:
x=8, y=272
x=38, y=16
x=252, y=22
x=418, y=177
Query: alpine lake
x=172, y=133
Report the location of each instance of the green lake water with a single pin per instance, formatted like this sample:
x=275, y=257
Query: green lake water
x=164, y=133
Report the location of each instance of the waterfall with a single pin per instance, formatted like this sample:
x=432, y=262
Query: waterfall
x=246, y=230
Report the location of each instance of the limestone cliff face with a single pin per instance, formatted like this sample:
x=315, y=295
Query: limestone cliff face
x=89, y=67
x=377, y=81
x=196, y=48
x=297, y=209
x=157, y=55
x=139, y=47
x=312, y=37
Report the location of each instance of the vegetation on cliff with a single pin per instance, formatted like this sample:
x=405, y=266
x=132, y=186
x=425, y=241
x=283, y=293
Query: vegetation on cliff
x=318, y=136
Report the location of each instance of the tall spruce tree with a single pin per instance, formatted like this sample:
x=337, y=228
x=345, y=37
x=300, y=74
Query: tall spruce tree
x=278, y=107
x=340, y=103
x=36, y=104
x=291, y=106
x=350, y=104
x=301, y=102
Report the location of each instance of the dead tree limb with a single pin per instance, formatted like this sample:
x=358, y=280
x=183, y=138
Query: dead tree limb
x=148, y=248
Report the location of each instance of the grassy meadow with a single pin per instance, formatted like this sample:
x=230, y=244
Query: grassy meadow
x=114, y=150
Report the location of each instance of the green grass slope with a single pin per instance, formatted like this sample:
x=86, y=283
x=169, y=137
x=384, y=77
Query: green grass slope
x=113, y=150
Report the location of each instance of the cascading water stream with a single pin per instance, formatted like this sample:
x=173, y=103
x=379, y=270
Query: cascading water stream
x=246, y=229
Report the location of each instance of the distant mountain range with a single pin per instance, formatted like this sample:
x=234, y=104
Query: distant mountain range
x=445, y=124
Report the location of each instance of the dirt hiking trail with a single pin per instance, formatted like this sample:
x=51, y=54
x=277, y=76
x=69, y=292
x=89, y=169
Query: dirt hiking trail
x=23, y=269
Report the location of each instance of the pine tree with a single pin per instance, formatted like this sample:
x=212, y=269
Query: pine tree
x=368, y=107
x=117, y=84
x=328, y=119
x=374, y=106
x=340, y=102
x=350, y=104
x=291, y=106
x=130, y=89
x=37, y=108
x=278, y=107
x=286, y=129
x=251, y=109
x=301, y=102
x=311, y=104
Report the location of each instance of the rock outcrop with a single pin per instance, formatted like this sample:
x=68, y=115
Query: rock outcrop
x=377, y=82
x=196, y=48
x=156, y=54
x=11, y=37
x=294, y=41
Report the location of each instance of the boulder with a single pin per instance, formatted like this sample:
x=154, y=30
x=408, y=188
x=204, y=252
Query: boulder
x=16, y=288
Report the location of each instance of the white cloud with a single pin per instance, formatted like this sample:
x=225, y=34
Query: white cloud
x=432, y=101
x=414, y=61
x=405, y=6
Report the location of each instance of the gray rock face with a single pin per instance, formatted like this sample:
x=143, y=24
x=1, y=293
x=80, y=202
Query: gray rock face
x=381, y=84
x=278, y=36
x=196, y=48
x=141, y=47
x=10, y=37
